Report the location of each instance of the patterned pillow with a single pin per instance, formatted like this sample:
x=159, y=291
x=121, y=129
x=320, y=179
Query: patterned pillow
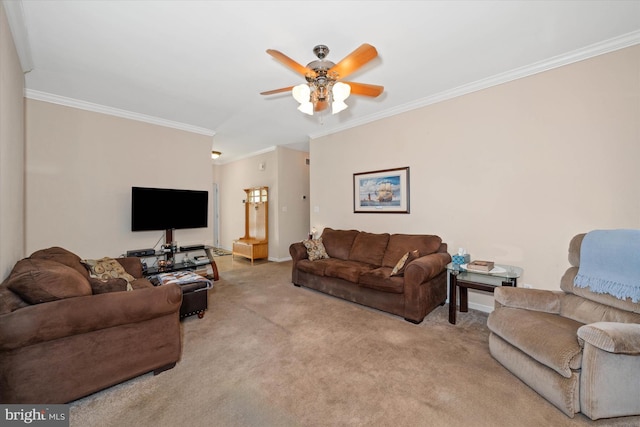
x=106, y=269
x=398, y=270
x=315, y=249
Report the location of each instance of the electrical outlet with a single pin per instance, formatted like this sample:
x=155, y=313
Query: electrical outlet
x=527, y=286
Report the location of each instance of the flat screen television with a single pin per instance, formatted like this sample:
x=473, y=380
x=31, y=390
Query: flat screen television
x=167, y=209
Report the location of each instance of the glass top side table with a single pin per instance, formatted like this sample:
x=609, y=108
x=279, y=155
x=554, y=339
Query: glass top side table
x=460, y=277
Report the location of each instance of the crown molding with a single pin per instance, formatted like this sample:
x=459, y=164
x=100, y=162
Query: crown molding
x=610, y=45
x=97, y=108
x=226, y=161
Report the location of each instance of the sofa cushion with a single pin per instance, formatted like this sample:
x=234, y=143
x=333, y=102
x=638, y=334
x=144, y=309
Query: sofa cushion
x=99, y=286
x=347, y=270
x=380, y=279
x=398, y=269
x=586, y=311
x=9, y=300
x=315, y=249
x=141, y=283
x=62, y=256
x=567, y=285
x=338, y=242
x=316, y=267
x=369, y=248
x=42, y=280
x=548, y=338
x=400, y=244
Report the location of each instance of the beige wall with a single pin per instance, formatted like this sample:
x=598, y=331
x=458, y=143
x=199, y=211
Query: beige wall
x=287, y=176
x=81, y=166
x=293, y=199
x=11, y=151
x=510, y=173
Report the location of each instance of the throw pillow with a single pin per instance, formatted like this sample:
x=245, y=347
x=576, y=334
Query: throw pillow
x=401, y=265
x=63, y=256
x=42, y=280
x=106, y=269
x=315, y=249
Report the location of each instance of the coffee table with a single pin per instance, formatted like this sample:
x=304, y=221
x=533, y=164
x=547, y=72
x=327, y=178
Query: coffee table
x=460, y=277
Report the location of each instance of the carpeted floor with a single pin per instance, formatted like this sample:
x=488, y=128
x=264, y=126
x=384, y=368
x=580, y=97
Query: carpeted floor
x=271, y=354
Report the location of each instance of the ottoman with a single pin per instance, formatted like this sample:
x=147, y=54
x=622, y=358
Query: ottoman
x=194, y=299
x=194, y=290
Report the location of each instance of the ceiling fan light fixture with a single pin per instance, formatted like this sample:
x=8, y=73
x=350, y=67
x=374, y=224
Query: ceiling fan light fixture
x=306, y=107
x=338, y=106
x=215, y=154
x=301, y=93
x=341, y=91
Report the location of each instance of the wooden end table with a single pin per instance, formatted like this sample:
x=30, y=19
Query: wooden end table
x=460, y=277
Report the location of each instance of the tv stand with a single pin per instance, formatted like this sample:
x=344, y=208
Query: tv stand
x=166, y=262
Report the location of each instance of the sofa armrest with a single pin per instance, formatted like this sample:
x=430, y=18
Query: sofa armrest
x=426, y=268
x=612, y=337
x=72, y=316
x=528, y=299
x=298, y=252
x=132, y=265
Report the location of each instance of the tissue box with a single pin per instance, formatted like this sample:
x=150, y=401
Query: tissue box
x=461, y=259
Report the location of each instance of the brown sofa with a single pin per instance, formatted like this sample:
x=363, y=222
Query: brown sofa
x=64, y=334
x=577, y=348
x=359, y=269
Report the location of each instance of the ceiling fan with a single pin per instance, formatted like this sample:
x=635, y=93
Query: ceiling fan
x=324, y=79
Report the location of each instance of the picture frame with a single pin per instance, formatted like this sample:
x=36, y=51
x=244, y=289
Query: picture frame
x=381, y=191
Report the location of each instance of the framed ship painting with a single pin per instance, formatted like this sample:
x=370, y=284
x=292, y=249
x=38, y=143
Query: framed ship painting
x=383, y=191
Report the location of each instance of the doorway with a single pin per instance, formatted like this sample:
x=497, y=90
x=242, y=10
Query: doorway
x=216, y=216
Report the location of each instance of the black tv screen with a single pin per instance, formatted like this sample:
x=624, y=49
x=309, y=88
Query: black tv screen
x=164, y=209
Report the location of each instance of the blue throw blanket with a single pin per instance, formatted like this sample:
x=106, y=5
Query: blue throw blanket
x=610, y=263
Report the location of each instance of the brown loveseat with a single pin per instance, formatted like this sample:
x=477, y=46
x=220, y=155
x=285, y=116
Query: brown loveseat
x=579, y=349
x=359, y=269
x=64, y=335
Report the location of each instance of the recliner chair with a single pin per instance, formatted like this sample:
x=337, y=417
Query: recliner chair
x=577, y=348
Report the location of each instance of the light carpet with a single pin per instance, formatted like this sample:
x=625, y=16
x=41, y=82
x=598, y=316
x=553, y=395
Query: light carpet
x=268, y=353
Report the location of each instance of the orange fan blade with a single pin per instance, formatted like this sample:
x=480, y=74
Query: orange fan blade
x=282, y=89
x=354, y=60
x=365, y=89
x=284, y=59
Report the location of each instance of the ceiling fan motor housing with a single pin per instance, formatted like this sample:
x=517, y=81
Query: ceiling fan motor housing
x=321, y=79
x=321, y=51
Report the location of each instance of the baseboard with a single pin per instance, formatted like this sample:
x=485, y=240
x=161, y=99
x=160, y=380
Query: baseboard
x=279, y=259
x=480, y=307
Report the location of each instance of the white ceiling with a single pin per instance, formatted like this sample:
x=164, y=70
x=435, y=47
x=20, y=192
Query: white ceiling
x=201, y=65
